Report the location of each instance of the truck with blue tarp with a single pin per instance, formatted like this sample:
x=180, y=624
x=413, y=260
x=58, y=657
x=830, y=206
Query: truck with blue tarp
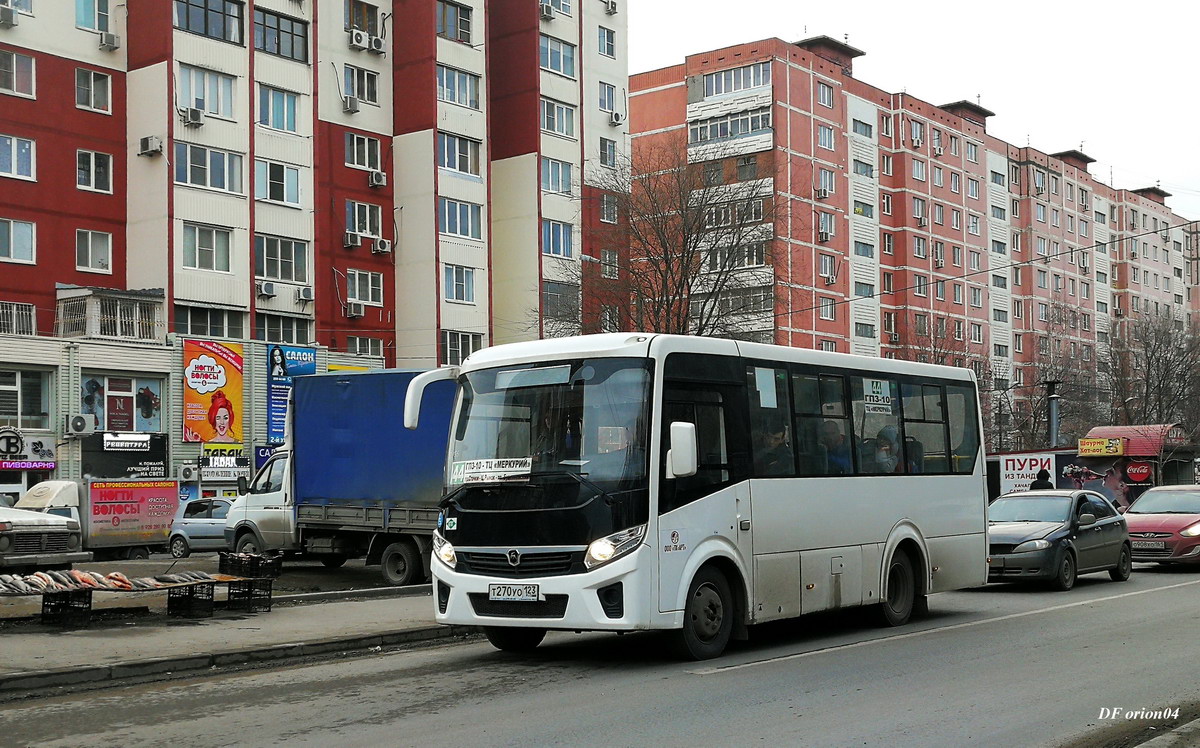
x=350, y=481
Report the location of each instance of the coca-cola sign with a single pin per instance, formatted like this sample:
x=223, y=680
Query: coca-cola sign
x=1138, y=472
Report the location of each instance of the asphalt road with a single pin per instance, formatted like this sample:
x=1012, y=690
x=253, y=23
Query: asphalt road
x=999, y=666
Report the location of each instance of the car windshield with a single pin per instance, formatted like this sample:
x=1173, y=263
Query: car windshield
x=1167, y=502
x=1030, y=509
x=585, y=418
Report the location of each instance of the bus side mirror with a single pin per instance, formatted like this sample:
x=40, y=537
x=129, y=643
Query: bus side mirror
x=416, y=388
x=682, y=458
x=243, y=485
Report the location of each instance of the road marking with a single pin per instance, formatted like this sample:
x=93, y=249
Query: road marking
x=938, y=630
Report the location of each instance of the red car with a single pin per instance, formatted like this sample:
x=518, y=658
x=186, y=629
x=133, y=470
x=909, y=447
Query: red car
x=1164, y=525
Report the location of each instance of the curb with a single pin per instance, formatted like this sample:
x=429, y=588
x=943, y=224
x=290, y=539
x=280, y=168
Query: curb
x=1181, y=736
x=38, y=679
x=366, y=592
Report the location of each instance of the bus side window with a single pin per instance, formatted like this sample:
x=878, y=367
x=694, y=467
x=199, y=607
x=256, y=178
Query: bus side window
x=924, y=428
x=823, y=438
x=770, y=413
x=964, y=428
x=875, y=404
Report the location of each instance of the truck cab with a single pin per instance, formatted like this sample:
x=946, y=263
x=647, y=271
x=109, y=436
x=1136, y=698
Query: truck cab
x=38, y=540
x=263, y=517
x=58, y=497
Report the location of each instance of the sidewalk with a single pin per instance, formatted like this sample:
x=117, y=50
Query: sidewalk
x=40, y=657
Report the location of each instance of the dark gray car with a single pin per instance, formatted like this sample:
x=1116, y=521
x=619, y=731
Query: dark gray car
x=1054, y=536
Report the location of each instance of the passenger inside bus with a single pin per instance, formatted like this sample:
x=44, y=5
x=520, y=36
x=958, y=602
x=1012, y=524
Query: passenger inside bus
x=837, y=449
x=772, y=452
x=888, y=458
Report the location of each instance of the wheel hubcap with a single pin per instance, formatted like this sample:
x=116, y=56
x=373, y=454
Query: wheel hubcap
x=708, y=612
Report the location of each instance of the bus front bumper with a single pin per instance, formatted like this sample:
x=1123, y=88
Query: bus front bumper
x=613, y=597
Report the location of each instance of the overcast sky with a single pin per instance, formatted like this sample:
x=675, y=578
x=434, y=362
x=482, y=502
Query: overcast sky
x=1121, y=79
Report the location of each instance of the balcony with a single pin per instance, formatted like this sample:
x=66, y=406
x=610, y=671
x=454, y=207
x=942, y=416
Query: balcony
x=109, y=314
x=17, y=319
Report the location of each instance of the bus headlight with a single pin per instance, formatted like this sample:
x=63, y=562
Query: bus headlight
x=603, y=550
x=444, y=550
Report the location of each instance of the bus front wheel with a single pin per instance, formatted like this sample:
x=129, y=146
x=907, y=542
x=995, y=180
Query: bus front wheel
x=509, y=639
x=897, y=605
x=707, y=616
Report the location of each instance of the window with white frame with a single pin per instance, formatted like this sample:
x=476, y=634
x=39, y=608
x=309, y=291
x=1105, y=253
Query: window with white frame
x=608, y=208
x=277, y=183
x=958, y=297
x=939, y=290
x=955, y=182
x=826, y=181
x=457, y=87
x=459, y=284
x=972, y=152
x=737, y=79
x=557, y=56
x=280, y=328
x=17, y=318
x=732, y=125
x=976, y=297
x=25, y=399
x=556, y=175
x=918, y=170
x=826, y=223
x=608, y=97
x=93, y=171
x=976, y=333
x=16, y=73
x=363, y=346
x=920, y=285
x=557, y=238
x=939, y=213
x=885, y=164
x=16, y=241
x=824, y=94
x=206, y=90
x=206, y=247
x=207, y=167
x=361, y=83
x=999, y=212
x=885, y=204
x=458, y=153
x=920, y=246
x=972, y=187
x=364, y=219
x=607, y=42
x=889, y=244
x=460, y=218
x=362, y=151
x=280, y=259
x=827, y=307
x=825, y=137
x=93, y=251
x=365, y=287
x=558, y=118
x=916, y=130
x=973, y=224
x=277, y=108
x=610, y=263
x=456, y=346
x=608, y=153
x=939, y=176
x=918, y=204
x=92, y=14
x=956, y=256
x=17, y=157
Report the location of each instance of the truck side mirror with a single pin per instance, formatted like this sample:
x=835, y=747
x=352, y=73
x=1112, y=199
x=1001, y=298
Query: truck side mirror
x=243, y=485
x=682, y=458
x=416, y=388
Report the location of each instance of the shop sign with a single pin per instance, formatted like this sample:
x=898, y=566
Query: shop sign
x=1018, y=471
x=1139, y=472
x=131, y=512
x=284, y=362
x=224, y=462
x=1101, y=447
x=1175, y=437
x=19, y=453
x=130, y=455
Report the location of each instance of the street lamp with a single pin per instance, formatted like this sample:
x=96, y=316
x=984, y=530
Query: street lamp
x=1125, y=406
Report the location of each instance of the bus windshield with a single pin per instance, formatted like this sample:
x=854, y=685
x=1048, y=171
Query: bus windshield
x=587, y=418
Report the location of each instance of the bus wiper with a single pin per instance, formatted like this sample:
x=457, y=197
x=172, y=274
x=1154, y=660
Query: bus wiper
x=583, y=480
x=452, y=497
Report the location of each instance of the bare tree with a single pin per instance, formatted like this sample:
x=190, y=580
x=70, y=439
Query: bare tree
x=1153, y=364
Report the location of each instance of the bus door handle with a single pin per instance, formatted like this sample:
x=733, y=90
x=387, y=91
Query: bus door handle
x=744, y=525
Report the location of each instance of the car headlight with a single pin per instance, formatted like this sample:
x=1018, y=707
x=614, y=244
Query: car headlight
x=1190, y=531
x=1040, y=544
x=608, y=548
x=444, y=550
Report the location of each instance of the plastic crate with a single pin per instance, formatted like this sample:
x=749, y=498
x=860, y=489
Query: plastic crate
x=229, y=563
x=191, y=601
x=72, y=608
x=250, y=596
x=264, y=567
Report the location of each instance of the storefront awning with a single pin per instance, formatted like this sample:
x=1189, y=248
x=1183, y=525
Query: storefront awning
x=1144, y=441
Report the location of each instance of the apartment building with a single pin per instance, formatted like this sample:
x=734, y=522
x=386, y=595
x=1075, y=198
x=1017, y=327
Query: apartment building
x=904, y=229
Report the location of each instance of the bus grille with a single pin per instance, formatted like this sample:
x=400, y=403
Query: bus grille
x=532, y=564
x=554, y=606
x=39, y=542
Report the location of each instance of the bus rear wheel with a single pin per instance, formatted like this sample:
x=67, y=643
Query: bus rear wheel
x=897, y=605
x=707, y=616
x=510, y=639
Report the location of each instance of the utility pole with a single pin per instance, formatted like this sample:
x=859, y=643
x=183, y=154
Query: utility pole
x=1052, y=422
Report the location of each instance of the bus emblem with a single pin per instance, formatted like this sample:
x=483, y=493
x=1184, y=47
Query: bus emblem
x=514, y=557
x=674, y=537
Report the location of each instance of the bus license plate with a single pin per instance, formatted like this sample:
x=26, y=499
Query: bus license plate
x=525, y=593
x=1149, y=545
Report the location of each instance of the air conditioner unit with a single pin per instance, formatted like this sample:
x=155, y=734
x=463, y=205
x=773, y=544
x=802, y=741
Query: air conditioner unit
x=893, y=337
x=547, y=11
x=8, y=17
x=359, y=39
x=824, y=236
x=355, y=309
x=304, y=293
x=610, y=7
x=350, y=104
x=615, y=118
x=378, y=45
x=150, y=146
x=1119, y=312
x=193, y=117
x=939, y=263
x=916, y=142
x=922, y=221
x=820, y=193
x=1166, y=235
x=79, y=424
x=188, y=473
x=351, y=239
x=109, y=42
x=377, y=179
x=830, y=280
x=1039, y=190
x=938, y=150
x=381, y=246
x=266, y=289
x=1133, y=254
x=1084, y=206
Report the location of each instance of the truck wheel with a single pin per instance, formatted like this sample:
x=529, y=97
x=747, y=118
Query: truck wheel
x=401, y=564
x=138, y=554
x=333, y=562
x=248, y=543
x=179, y=547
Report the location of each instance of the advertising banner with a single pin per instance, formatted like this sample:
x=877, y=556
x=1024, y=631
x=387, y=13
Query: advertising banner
x=108, y=455
x=1101, y=447
x=223, y=462
x=283, y=363
x=1018, y=471
x=131, y=512
x=212, y=392
x=147, y=411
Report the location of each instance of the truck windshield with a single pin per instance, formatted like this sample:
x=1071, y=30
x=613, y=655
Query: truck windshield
x=587, y=417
